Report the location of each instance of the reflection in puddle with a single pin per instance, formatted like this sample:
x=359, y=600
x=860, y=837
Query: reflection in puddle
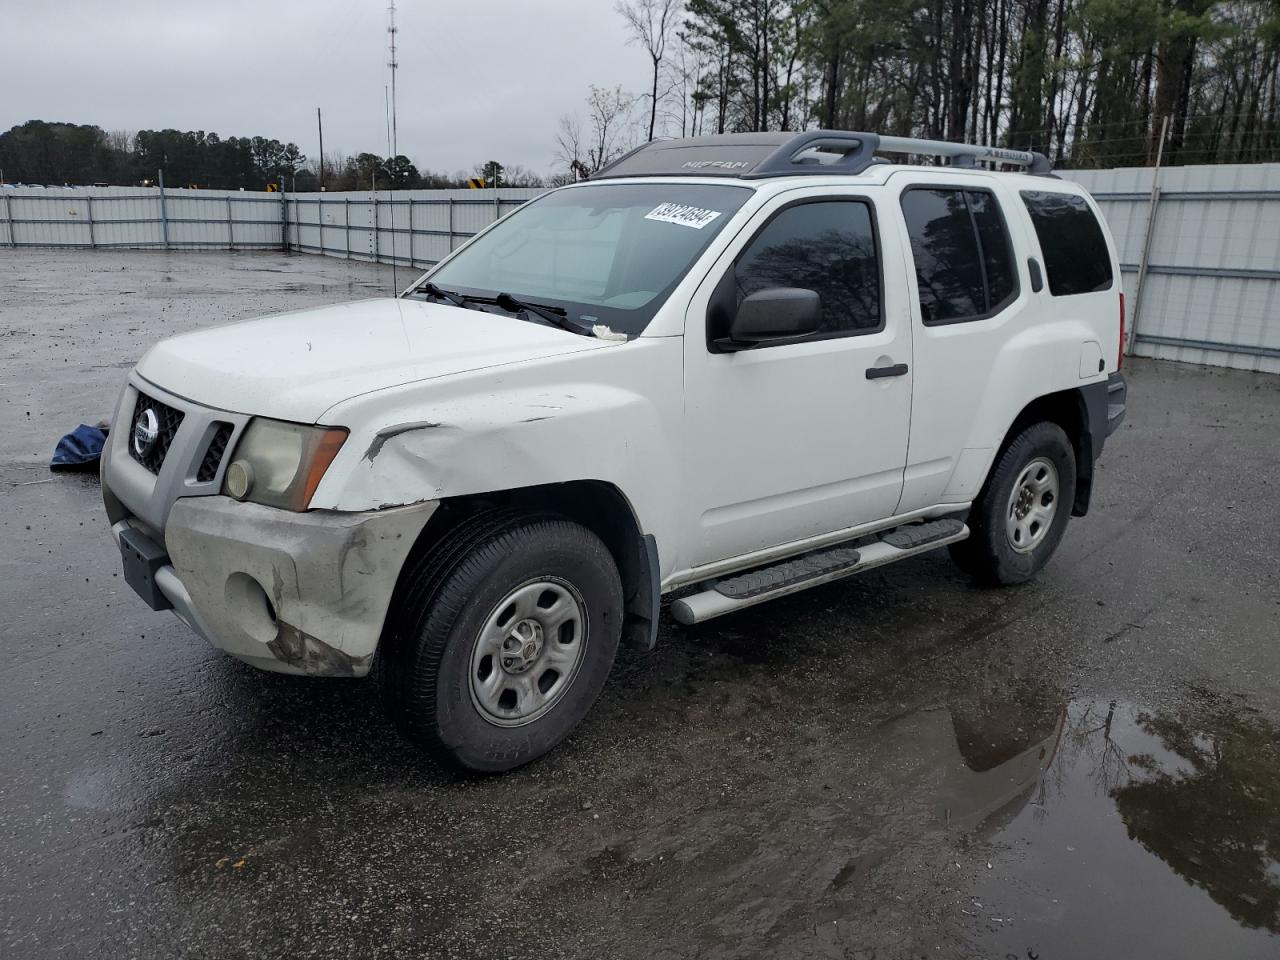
x=1130, y=832
x=1110, y=831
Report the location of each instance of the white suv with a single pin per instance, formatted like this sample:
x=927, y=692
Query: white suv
x=725, y=369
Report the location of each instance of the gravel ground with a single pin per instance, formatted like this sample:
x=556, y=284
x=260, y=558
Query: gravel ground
x=898, y=765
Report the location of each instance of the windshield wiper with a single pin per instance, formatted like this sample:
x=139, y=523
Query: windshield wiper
x=431, y=290
x=556, y=316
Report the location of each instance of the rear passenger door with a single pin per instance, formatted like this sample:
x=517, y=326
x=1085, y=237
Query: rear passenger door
x=969, y=296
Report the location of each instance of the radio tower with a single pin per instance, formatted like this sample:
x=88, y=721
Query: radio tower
x=394, y=64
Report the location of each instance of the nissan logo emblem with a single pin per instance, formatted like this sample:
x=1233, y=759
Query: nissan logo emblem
x=146, y=429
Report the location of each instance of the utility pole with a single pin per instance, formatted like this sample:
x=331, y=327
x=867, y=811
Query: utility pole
x=320, y=127
x=164, y=213
x=394, y=64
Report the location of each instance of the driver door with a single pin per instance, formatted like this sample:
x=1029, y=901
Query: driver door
x=791, y=440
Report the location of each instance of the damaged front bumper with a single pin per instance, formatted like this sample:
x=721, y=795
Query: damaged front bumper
x=301, y=593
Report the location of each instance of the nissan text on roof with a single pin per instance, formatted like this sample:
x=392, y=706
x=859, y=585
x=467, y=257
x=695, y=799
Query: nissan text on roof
x=724, y=369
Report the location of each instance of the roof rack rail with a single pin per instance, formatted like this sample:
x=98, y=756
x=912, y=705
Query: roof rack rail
x=819, y=152
x=967, y=154
x=752, y=156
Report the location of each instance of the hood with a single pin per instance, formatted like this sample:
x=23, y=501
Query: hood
x=295, y=366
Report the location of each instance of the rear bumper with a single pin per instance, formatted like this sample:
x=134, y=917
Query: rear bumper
x=1104, y=410
x=1117, y=401
x=301, y=593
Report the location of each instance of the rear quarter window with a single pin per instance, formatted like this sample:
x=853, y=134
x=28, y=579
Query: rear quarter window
x=1071, y=241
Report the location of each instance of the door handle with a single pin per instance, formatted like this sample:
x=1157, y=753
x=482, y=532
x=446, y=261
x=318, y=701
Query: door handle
x=879, y=373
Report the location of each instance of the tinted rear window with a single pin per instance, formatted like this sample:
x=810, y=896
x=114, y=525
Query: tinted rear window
x=964, y=263
x=1072, y=242
x=997, y=256
x=948, y=268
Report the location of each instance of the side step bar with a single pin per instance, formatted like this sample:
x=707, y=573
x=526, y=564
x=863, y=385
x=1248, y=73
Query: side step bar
x=813, y=569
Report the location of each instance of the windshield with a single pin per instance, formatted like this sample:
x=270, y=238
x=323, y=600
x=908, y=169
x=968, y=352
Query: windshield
x=607, y=254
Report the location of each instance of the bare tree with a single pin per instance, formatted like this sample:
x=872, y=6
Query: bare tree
x=609, y=112
x=569, y=147
x=651, y=23
x=121, y=141
x=683, y=70
x=606, y=137
x=516, y=175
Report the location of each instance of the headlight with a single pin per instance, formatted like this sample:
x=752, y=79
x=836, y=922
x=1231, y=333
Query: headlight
x=280, y=464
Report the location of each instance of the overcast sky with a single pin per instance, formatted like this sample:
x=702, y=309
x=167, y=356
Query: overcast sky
x=477, y=81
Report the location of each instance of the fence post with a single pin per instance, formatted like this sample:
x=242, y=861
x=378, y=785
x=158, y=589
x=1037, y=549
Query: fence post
x=164, y=216
x=497, y=205
x=284, y=217
x=88, y=202
x=451, y=225
x=411, y=232
x=1132, y=335
x=346, y=224
x=231, y=231
x=377, y=242
x=8, y=218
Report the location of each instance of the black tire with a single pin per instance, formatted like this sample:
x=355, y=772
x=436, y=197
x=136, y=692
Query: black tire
x=445, y=601
x=989, y=555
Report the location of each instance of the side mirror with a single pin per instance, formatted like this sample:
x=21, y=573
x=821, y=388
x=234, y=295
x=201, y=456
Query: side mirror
x=778, y=313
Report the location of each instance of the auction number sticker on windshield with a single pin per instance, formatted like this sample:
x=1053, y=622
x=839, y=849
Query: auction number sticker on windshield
x=682, y=214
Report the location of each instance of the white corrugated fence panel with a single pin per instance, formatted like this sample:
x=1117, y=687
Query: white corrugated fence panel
x=418, y=227
x=1211, y=292
x=1214, y=264
x=135, y=217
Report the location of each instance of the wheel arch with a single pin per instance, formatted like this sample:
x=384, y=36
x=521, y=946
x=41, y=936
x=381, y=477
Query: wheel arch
x=1073, y=411
x=595, y=504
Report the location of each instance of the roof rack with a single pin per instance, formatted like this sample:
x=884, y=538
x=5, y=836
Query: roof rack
x=752, y=156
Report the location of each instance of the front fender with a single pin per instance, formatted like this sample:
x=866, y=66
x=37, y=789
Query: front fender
x=606, y=415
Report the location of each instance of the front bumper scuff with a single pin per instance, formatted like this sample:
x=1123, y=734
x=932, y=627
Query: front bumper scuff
x=301, y=593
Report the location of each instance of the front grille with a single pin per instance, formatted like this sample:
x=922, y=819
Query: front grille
x=213, y=456
x=168, y=421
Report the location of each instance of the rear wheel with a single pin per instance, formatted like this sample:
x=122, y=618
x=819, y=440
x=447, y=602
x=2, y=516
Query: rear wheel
x=505, y=635
x=1020, y=516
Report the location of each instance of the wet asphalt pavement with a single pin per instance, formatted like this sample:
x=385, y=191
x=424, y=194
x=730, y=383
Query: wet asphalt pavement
x=898, y=765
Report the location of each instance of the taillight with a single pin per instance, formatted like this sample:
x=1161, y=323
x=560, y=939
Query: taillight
x=1120, y=352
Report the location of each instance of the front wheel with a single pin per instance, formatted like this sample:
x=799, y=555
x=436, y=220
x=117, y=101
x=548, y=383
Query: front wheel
x=502, y=647
x=1020, y=516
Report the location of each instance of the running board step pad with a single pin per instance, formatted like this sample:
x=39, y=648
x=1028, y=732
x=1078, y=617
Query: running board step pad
x=918, y=534
x=804, y=567
x=814, y=569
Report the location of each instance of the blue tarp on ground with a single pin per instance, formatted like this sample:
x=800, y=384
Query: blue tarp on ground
x=80, y=449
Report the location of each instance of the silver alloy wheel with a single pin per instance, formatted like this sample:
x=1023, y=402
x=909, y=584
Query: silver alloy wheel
x=528, y=652
x=1032, y=505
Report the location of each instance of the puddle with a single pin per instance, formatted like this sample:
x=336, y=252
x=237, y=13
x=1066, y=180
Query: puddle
x=1140, y=834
